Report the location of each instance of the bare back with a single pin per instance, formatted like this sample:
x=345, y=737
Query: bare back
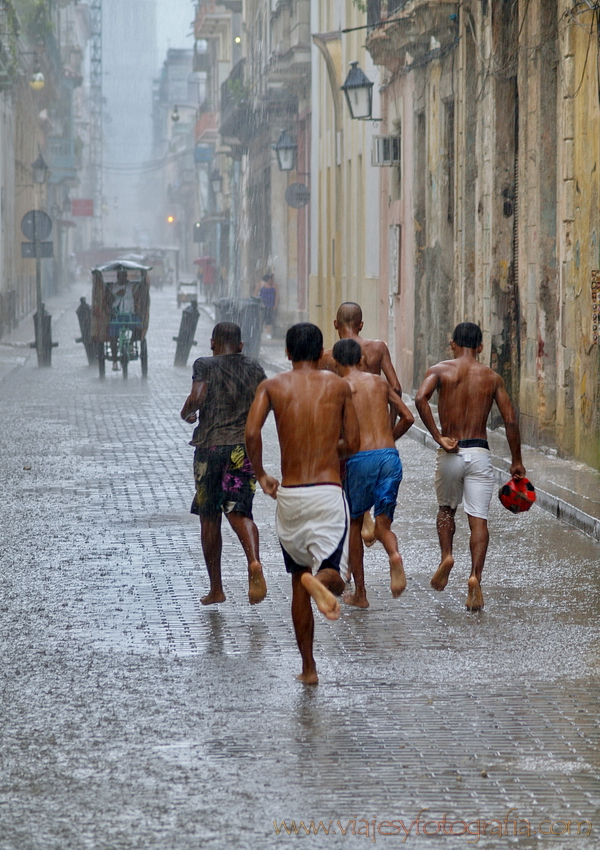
x=376, y=359
x=370, y=394
x=466, y=392
x=312, y=409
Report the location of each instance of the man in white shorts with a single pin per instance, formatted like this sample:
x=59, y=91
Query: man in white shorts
x=466, y=391
x=315, y=418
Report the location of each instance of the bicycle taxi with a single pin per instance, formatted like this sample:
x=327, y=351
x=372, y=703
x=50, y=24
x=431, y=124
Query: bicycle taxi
x=120, y=313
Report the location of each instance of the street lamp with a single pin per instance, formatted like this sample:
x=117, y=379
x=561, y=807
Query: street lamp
x=358, y=89
x=286, y=151
x=37, y=81
x=175, y=116
x=40, y=169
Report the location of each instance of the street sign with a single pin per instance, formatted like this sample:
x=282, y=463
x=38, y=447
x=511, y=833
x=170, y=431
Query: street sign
x=45, y=250
x=82, y=206
x=36, y=224
x=297, y=195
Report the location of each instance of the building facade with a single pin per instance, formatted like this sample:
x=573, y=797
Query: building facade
x=493, y=217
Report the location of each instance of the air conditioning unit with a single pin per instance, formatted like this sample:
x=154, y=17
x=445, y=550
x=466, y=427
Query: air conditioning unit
x=387, y=150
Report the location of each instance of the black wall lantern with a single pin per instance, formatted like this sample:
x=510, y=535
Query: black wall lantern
x=358, y=89
x=286, y=151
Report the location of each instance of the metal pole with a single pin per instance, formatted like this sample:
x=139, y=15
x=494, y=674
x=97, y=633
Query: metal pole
x=39, y=320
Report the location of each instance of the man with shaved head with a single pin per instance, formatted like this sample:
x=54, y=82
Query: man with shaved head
x=376, y=356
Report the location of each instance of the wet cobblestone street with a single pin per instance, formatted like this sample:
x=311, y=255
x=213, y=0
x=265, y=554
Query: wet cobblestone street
x=133, y=717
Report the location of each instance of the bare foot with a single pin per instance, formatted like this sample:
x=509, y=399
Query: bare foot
x=257, y=586
x=324, y=599
x=356, y=600
x=474, y=596
x=310, y=678
x=398, y=579
x=213, y=597
x=440, y=577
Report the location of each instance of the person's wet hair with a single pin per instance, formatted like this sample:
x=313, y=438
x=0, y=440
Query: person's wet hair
x=304, y=341
x=349, y=313
x=227, y=333
x=347, y=352
x=467, y=335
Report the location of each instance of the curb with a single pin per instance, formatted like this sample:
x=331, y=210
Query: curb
x=562, y=510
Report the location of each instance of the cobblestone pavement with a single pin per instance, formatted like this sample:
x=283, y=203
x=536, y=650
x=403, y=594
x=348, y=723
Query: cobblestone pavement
x=132, y=717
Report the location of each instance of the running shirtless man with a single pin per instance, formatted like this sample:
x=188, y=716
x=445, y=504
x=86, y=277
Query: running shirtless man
x=466, y=391
x=312, y=409
x=376, y=359
x=376, y=354
x=374, y=473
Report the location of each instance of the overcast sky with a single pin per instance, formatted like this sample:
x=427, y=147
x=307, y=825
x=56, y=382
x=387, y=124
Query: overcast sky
x=174, y=24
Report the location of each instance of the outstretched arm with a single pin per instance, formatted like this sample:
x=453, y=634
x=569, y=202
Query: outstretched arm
x=194, y=402
x=405, y=420
x=256, y=419
x=424, y=393
x=511, y=424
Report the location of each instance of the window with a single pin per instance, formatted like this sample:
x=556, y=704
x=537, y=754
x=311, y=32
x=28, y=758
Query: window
x=387, y=150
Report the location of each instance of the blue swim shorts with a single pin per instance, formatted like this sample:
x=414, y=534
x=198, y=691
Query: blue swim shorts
x=373, y=478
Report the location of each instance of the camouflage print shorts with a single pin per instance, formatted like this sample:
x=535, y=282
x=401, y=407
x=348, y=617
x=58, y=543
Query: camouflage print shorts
x=225, y=481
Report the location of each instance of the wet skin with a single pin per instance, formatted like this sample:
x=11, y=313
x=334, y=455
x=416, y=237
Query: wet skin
x=466, y=392
x=312, y=409
x=375, y=401
x=376, y=359
x=210, y=526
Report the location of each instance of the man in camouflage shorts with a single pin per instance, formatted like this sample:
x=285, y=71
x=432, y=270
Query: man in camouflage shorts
x=223, y=388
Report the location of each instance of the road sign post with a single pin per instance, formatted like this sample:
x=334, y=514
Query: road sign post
x=36, y=225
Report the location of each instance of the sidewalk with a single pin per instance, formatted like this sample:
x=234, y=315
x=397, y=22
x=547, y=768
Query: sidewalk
x=566, y=488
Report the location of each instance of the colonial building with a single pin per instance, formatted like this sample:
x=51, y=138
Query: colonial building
x=493, y=213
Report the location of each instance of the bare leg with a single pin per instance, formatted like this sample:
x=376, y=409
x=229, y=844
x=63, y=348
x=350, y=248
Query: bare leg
x=384, y=533
x=445, y=529
x=359, y=597
x=212, y=545
x=304, y=628
x=478, y=544
x=368, y=529
x=247, y=532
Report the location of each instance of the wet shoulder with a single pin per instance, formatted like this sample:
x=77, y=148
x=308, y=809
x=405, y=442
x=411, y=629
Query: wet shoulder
x=373, y=351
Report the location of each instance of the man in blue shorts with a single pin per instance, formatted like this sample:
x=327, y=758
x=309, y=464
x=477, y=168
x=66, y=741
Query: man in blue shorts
x=223, y=389
x=374, y=473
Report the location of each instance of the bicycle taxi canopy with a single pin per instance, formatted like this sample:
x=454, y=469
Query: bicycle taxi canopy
x=120, y=297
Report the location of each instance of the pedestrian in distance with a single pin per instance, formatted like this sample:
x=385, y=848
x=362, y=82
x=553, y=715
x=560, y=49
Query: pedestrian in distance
x=376, y=359
x=266, y=290
x=223, y=388
x=374, y=473
x=315, y=420
x=466, y=391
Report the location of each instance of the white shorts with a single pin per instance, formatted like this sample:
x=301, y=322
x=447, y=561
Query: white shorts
x=467, y=476
x=312, y=525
